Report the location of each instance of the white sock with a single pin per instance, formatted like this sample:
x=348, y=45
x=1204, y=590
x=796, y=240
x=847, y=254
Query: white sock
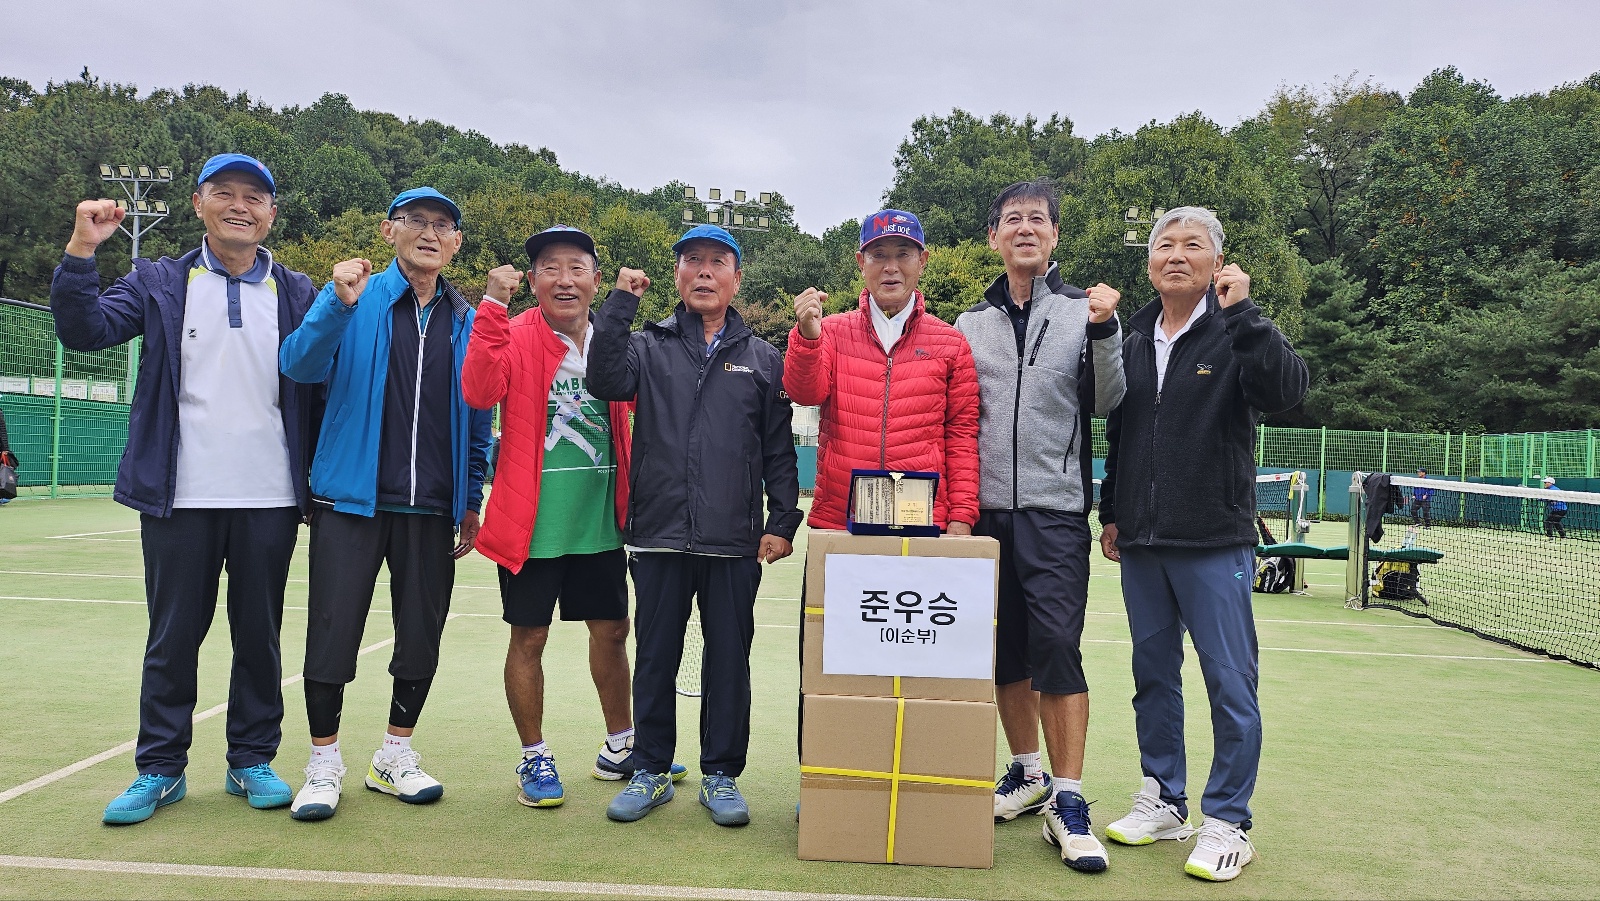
x=618, y=741
x=537, y=749
x=393, y=743
x=327, y=754
x=1063, y=784
x=1030, y=763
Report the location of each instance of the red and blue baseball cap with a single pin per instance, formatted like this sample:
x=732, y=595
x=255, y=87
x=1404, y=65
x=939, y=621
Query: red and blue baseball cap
x=424, y=193
x=558, y=234
x=891, y=224
x=236, y=162
x=711, y=233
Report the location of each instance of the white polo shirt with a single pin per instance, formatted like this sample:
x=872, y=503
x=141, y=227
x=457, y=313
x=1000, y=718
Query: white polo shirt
x=1164, y=344
x=232, y=451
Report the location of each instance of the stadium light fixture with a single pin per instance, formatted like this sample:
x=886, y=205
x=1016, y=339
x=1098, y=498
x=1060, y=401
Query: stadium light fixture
x=766, y=198
x=738, y=218
x=688, y=192
x=145, y=173
x=714, y=194
x=164, y=173
x=1132, y=215
x=124, y=171
x=739, y=209
x=142, y=215
x=107, y=173
x=738, y=196
x=688, y=215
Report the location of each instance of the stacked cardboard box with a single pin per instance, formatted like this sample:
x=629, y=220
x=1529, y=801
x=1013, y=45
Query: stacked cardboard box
x=899, y=768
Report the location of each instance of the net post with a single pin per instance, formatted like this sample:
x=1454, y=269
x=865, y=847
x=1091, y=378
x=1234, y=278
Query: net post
x=55, y=426
x=1356, y=537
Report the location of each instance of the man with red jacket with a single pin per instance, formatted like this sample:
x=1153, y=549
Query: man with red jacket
x=896, y=385
x=556, y=514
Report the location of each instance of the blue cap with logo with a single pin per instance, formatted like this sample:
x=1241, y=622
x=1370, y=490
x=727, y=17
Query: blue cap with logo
x=558, y=234
x=236, y=162
x=425, y=193
x=891, y=224
x=711, y=233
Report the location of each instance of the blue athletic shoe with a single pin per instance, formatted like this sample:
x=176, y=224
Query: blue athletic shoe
x=147, y=792
x=260, y=786
x=720, y=795
x=645, y=792
x=541, y=785
x=614, y=765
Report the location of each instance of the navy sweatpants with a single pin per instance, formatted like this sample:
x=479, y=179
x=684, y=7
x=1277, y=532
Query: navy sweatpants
x=184, y=556
x=665, y=585
x=1207, y=592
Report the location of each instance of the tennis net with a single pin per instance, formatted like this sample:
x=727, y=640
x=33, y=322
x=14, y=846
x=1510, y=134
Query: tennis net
x=1516, y=565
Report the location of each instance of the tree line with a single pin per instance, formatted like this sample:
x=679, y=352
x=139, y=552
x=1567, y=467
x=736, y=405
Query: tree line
x=1434, y=255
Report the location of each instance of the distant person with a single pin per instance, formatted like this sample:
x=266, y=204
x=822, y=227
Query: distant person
x=7, y=458
x=896, y=385
x=1421, y=500
x=215, y=464
x=713, y=432
x=1554, y=512
x=555, y=519
x=397, y=480
x=1178, y=510
x=1049, y=356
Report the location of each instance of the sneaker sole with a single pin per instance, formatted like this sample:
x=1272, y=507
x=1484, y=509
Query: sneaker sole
x=1081, y=864
x=312, y=812
x=128, y=817
x=259, y=802
x=678, y=772
x=525, y=801
x=1178, y=833
x=1200, y=872
x=426, y=796
x=737, y=819
x=1034, y=809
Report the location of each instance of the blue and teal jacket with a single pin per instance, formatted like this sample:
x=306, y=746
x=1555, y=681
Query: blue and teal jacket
x=347, y=348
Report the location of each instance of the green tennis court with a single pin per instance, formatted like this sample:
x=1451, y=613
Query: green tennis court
x=1402, y=759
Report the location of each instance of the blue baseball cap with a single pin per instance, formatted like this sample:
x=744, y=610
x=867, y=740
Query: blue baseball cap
x=424, y=193
x=236, y=162
x=891, y=224
x=711, y=233
x=558, y=234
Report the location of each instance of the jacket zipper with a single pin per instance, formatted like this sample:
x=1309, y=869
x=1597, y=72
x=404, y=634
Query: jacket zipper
x=1072, y=442
x=883, y=437
x=416, y=400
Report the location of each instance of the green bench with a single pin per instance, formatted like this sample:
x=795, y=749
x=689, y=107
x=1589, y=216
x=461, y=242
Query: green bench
x=1301, y=551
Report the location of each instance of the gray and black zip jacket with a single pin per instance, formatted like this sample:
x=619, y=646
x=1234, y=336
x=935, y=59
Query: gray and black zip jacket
x=1034, y=405
x=1182, y=465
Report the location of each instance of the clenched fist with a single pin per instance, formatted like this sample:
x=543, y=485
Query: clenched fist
x=1103, y=302
x=1233, y=285
x=350, y=279
x=808, y=313
x=94, y=222
x=503, y=283
x=632, y=281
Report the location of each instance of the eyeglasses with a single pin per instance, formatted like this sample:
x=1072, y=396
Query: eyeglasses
x=903, y=256
x=418, y=223
x=556, y=271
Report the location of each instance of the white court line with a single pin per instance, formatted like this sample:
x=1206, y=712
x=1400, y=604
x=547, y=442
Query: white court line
x=221, y=604
x=223, y=576
x=86, y=534
x=1528, y=659
x=456, y=883
x=127, y=746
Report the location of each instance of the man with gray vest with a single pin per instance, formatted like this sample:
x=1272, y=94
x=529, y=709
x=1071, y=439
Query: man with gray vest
x=1048, y=356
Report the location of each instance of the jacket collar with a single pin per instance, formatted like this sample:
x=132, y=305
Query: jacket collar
x=1144, y=321
x=918, y=306
x=996, y=292
x=390, y=285
x=685, y=322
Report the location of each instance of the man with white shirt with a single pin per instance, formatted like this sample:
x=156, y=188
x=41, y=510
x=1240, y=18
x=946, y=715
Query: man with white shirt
x=555, y=519
x=896, y=385
x=215, y=464
x=1178, y=508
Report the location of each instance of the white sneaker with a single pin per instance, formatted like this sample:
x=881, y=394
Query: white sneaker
x=1151, y=819
x=400, y=774
x=1220, y=853
x=319, y=797
x=1016, y=794
x=1066, y=826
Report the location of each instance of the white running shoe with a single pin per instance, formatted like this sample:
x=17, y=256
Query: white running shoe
x=400, y=774
x=319, y=797
x=1016, y=794
x=1066, y=826
x=1221, y=851
x=1151, y=819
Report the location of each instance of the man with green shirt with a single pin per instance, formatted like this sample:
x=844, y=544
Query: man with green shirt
x=554, y=519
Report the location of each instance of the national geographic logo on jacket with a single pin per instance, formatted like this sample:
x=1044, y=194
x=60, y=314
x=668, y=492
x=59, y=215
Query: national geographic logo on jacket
x=735, y=367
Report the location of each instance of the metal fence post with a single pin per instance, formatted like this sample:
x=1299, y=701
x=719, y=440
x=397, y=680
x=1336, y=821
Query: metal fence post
x=1383, y=465
x=55, y=426
x=1261, y=444
x=1322, y=475
x=1447, y=454
x=1590, y=467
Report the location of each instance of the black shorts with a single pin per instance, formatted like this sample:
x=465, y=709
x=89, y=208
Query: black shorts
x=589, y=586
x=1044, y=591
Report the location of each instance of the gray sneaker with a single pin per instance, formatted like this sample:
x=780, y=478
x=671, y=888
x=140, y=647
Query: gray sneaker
x=720, y=795
x=645, y=792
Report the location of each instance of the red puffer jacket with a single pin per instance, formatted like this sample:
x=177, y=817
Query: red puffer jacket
x=914, y=411
x=514, y=362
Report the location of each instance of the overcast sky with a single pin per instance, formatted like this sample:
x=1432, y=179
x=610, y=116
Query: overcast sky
x=810, y=99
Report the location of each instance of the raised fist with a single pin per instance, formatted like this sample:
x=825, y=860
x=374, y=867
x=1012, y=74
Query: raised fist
x=808, y=313
x=94, y=222
x=1103, y=302
x=1233, y=285
x=632, y=281
x=350, y=279
x=503, y=283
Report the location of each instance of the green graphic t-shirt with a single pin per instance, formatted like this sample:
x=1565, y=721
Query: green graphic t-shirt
x=577, y=494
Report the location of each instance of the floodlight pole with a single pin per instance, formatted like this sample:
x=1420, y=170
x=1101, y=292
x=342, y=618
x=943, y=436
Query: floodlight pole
x=136, y=182
x=730, y=214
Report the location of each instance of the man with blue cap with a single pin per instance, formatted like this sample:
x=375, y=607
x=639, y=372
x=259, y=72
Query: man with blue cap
x=397, y=477
x=215, y=464
x=712, y=435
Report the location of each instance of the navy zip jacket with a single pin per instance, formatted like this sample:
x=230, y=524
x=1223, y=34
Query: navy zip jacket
x=1181, y=470
x=149, y=301
x=709, y=435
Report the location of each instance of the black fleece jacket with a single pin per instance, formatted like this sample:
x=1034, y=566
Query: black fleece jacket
x=1182, y=464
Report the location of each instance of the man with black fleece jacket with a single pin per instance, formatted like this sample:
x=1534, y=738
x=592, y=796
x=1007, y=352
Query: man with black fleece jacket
x=1178, y=506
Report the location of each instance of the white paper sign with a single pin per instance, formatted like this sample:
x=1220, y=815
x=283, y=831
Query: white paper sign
x=908, y=616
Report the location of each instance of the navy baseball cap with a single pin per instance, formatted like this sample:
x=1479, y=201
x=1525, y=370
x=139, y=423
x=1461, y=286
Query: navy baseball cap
x=891, y=224
x=424, y=193
x=236, y=162
x=558, y=234
x=711, y=233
